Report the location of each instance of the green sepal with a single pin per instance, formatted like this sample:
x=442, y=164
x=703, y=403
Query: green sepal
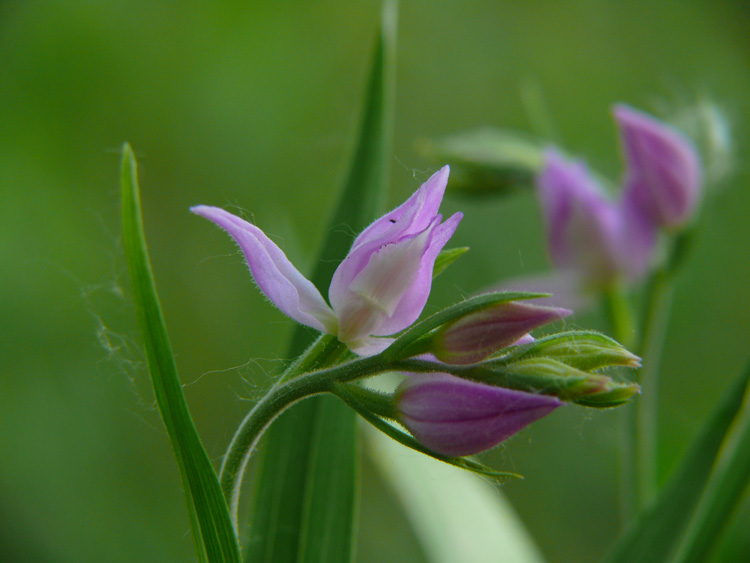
x=583, y=350
x=571, y=384
x=617, y=394
x=487, y=161
x=551, y=377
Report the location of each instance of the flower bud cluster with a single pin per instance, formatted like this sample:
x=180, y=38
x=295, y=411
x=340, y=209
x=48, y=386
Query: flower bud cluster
x=482, y=405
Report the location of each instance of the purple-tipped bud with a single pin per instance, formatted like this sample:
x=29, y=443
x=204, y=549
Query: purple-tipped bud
x=478, y=335
x=457, y=417
x=583, y=226
x=663, y=169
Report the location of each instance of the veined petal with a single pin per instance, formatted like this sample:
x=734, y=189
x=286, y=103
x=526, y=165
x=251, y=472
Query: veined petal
x=637, y=238
x=274, y=274
x=525, y=339
x=414, y=299
x=412, y=217
x=370, y=346
x=480, y=334
x=374, y=294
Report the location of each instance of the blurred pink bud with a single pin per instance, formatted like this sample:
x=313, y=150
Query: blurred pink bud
x=457, y=417
x=663, y=175
x=586, y=232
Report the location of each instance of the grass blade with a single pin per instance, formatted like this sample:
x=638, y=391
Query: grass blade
x=304, y=505
x=730, y=476
x=655, y=533
x=213, y=532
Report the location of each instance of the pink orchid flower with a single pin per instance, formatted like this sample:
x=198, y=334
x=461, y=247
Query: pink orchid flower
x=379, y=289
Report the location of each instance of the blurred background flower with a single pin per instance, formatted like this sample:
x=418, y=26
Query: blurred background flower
x=256, y=105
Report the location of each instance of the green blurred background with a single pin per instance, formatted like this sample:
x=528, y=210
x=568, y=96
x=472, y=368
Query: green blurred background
x=253, y=106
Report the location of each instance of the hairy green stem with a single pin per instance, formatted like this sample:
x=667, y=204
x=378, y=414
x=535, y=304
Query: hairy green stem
x=290, y=388
x=375, y=402
x=326, y=349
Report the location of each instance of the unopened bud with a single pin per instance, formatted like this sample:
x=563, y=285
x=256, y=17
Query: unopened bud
x=457, y=417
x=664, y=174
x=587, y=351
x=482, y=333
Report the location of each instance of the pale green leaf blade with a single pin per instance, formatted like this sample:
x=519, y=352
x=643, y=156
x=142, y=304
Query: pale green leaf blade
x=213, y=532
x=487, y=161
x=286, y=524
x=655, y=533
x=456, y=515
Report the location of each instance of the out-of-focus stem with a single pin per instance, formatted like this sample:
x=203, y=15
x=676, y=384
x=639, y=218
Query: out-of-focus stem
x=622, y=325
x=650, y=347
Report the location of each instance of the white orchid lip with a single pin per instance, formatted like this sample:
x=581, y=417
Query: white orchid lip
x=382, y=285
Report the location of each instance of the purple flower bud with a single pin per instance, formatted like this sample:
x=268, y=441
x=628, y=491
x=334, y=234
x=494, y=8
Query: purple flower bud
x=381, y=286
x=478, y=335
x=592, y=238
x=583, y=226
x=663, y=176
x=457, y=417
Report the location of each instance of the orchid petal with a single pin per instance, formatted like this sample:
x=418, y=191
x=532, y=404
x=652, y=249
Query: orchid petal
x=525, y=339
x=274, y=274
x=412, y=217
x=414, y=299
x=376, y=291
x=637, y=238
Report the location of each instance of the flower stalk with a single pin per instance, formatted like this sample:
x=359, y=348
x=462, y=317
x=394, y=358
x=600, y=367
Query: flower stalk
x=543, y=375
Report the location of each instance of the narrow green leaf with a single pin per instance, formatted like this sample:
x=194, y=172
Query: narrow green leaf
x=446, y=258
x=723, y=493
x=297, y=514
x=655, y=533
x=213, y=532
